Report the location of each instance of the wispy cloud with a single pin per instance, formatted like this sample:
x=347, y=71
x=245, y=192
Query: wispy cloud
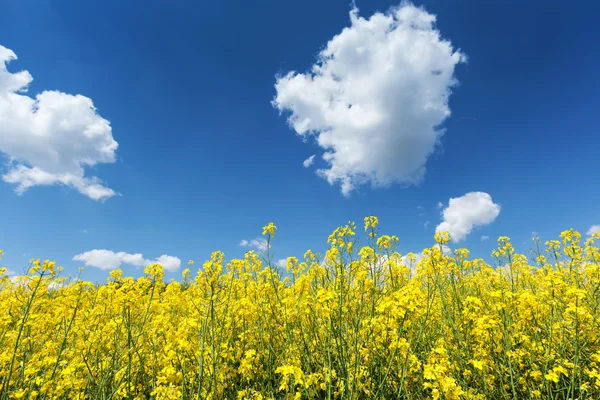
x=309, y=161
x=258, y=244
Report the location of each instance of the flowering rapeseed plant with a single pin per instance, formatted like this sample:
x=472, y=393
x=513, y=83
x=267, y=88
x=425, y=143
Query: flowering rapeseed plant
x=360, y=322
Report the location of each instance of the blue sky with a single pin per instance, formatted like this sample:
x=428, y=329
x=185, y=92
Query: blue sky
x=205, y=159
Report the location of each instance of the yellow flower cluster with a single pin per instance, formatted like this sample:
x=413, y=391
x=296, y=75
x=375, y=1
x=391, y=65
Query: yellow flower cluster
x=361, y=322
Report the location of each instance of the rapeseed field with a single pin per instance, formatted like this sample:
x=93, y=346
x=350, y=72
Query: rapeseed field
x=359, y=322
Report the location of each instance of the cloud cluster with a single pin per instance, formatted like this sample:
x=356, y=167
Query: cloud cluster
x=108, y=260
x=466, y=212
x=376, y=98
x=52, y=138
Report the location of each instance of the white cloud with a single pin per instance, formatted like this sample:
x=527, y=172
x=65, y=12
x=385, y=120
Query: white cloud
x=13, y=275
x=259, y=244
x=593, y=229
x=51, y=138
x=108, y=260
x=10, y=273
x=56, y=285
x=440, y=205
x=309, y=161
x=375, y=99
x=169, y=263
x=464, y=213
x=282, y=263
x=418, y=258
x=484, y=238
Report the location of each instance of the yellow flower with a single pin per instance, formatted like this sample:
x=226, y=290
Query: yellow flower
x=116, y=274
x=269, y=229
x=186, y=273
x=536, y=375
x=19, y=394
x=551, y=376
x=477, y=364
x=371, y=222
x=442, y=237
x=386, y=242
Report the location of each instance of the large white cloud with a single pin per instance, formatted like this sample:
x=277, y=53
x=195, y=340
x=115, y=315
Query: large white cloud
x=465, y=212
x=108, y=260
x=51, y=138
x=375, y=98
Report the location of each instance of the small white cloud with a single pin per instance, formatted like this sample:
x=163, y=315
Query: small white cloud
x=169, y=263
x=376, y=98
x=484, y=238
x=309, y=161
x=259, y=244
x=52, y=138
x=440, y=205
x=425, y=224
x=109, y=260
x=593, y=229
x=57, y=285
x=10, y=272
x=282, y=263
x=535, y=236
x=13, y=275
x=464, y=213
